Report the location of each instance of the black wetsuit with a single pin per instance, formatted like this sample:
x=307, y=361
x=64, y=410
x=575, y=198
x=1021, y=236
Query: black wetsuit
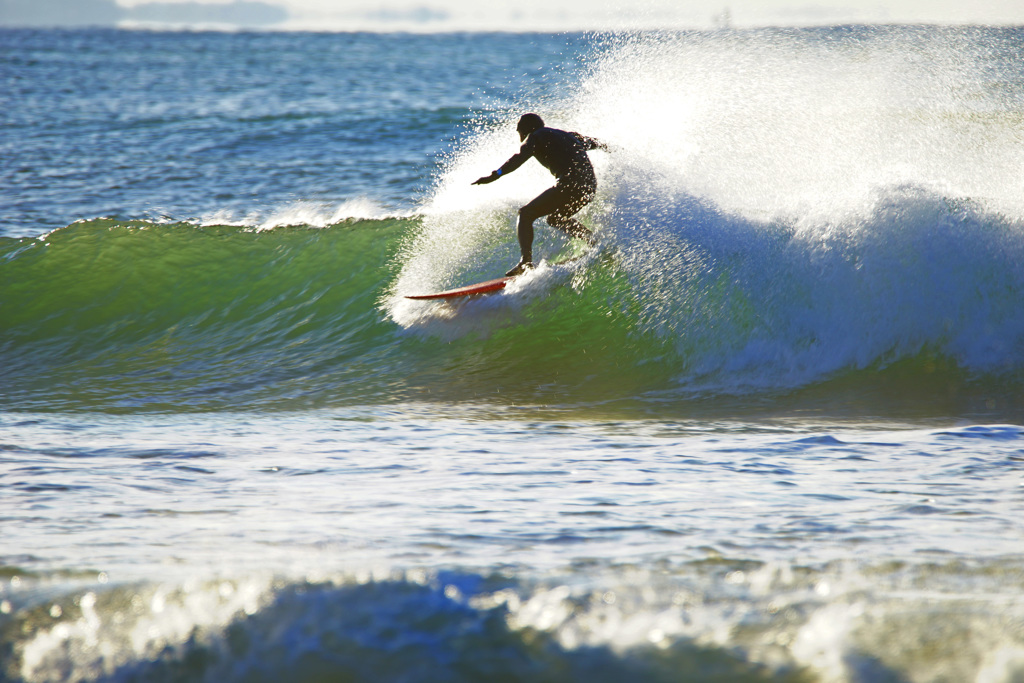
x=564, y=154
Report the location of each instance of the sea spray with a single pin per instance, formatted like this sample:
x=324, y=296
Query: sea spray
x=810, y=124
x=782, y=206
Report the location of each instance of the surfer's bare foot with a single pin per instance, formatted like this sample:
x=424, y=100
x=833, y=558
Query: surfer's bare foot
x=522, y=267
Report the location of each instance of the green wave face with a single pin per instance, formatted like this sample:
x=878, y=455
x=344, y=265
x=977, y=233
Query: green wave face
x=131, y=316
x=105, y=314
x=709, y=317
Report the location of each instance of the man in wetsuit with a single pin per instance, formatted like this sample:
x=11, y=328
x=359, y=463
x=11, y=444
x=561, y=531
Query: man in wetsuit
x=565, y=155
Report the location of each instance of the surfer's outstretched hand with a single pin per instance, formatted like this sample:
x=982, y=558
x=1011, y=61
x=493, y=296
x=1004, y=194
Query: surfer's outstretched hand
x=487, y=178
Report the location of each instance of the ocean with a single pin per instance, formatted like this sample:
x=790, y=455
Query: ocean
x=770, y=429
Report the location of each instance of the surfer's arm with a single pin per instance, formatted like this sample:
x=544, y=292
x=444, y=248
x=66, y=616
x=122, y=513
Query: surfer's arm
x=514, y=162
x=592, y=143
x=488, y=178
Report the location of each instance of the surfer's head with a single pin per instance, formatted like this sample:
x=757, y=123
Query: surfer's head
x=529, y=123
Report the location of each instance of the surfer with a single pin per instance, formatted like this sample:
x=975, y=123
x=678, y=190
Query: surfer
x=564, y=154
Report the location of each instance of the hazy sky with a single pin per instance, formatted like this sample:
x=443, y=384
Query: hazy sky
x=588, y=14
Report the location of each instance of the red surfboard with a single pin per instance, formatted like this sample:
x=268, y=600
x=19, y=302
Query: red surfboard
x=468, y=290
x=481, y=287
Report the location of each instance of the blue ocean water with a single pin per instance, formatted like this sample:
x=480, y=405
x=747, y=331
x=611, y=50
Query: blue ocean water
x=771, y=429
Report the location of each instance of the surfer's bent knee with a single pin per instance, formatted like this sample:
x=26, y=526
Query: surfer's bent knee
x=528, y=215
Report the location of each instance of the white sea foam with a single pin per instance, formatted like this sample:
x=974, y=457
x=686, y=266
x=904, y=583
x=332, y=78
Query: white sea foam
x=306, y=213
